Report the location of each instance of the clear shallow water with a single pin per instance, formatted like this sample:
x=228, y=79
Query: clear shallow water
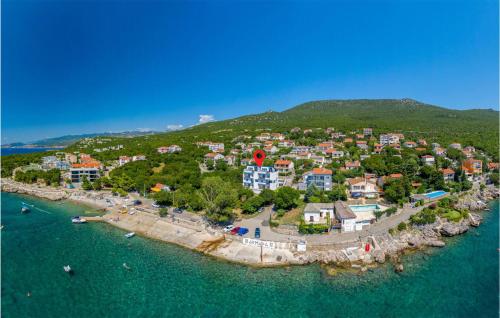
x=460, y=280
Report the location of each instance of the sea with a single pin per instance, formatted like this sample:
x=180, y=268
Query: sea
x=13, y=151
x=164, y=280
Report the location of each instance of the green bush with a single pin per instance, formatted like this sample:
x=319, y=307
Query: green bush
x=452, y=215
x=402, y=226
x=391, y=211
x=163, y=212
x=312, y=228
x=426, y=216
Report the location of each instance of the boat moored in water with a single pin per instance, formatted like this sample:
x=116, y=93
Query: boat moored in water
x=68, y=269
x=25, y=209
x=129, y=235
x=77, y=220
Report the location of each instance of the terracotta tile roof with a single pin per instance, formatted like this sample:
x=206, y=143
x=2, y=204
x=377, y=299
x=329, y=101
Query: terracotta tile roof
x=86, y=165
x=282, y=162
x=447, y=171
x=321, y=171
x=395, y=175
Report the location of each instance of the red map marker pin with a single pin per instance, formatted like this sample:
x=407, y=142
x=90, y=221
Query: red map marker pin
x=259, y=156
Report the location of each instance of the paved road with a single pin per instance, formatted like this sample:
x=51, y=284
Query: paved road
x=262, y=220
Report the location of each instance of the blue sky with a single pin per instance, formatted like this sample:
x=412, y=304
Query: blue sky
x=83, y=66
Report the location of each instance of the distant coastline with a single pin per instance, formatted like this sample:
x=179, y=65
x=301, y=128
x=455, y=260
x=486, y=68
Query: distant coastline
x=25, y=150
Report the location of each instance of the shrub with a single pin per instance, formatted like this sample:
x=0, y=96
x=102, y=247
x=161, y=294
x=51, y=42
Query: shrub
x=280, y=212
x=163, y=212
x=391, y=211
x=312, y=228
x=426, y=216
x=402, y=226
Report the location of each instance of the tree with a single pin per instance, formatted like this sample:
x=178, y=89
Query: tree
x=97, y=185
x=339, y=192
x=313, y=193
x=395, y=191
x=252, y=205
x=286, y=198
x=218, y=198
x=163, y=198
x=86, y=185
x=210, y=164
x=220, y=165
x=267, y=195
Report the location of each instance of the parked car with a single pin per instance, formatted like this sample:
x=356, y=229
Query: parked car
x=177, y=210
x=137, y=202
x=228, y=228
x=257, y=232
x=155, y=205
x=235, y=230
x=242, y=231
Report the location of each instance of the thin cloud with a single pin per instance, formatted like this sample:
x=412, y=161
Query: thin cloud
x=205, y=119
x=175, y=127
x=144, y=129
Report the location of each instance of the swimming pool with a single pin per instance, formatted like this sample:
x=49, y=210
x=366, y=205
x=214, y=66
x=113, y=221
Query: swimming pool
x=435, y=194
x=364, y=208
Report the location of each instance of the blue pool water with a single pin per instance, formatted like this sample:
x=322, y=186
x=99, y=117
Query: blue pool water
x=435, y=194
x=364, y=208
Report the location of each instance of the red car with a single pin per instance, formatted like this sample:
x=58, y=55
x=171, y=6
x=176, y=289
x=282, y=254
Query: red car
x=235, y=230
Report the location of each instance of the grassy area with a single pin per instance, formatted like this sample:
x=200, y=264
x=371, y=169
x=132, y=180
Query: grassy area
x=293, y=216
x=452, y=215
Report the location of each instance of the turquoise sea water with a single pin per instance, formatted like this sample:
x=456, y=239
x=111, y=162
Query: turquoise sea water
x=460, y=280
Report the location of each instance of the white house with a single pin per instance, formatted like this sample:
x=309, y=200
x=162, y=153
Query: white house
x=213, y=156
x=389, y=139
x=361, y=187
x=428, y=160
x=318, y=213
x=345, y=216
x=123, y=160
x=259, y=178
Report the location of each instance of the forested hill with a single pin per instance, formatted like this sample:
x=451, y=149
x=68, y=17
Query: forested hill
x=478, y=127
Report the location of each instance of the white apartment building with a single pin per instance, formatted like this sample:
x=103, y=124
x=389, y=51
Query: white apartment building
x=259, y=178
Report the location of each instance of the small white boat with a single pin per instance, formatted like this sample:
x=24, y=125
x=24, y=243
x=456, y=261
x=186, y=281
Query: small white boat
x=78, y=220
x=126, y=266
x=68, y=269
x=25, y=209
x=129, y=235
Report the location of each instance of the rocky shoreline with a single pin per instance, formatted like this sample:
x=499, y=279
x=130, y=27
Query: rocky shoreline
x=353, y=255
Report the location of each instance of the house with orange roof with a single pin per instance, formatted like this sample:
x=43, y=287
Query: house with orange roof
x=270, y=149
x=213, y=156
x=422, y=142
x=362, y=187
x=493, y=165
x=420, y=149
x=160, y=187
x=439, y=151
x=284, y=166
x=334, y=153
x=351, y=165
x=324, y=146
x=448, y=174
x=348, y=140
x=362, y=144
x=410, y=144
x=377, y=148
x=321, y=178
x=472, y=167
x=428, y=160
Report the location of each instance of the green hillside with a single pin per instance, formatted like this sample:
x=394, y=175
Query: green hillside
x=478, y=127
